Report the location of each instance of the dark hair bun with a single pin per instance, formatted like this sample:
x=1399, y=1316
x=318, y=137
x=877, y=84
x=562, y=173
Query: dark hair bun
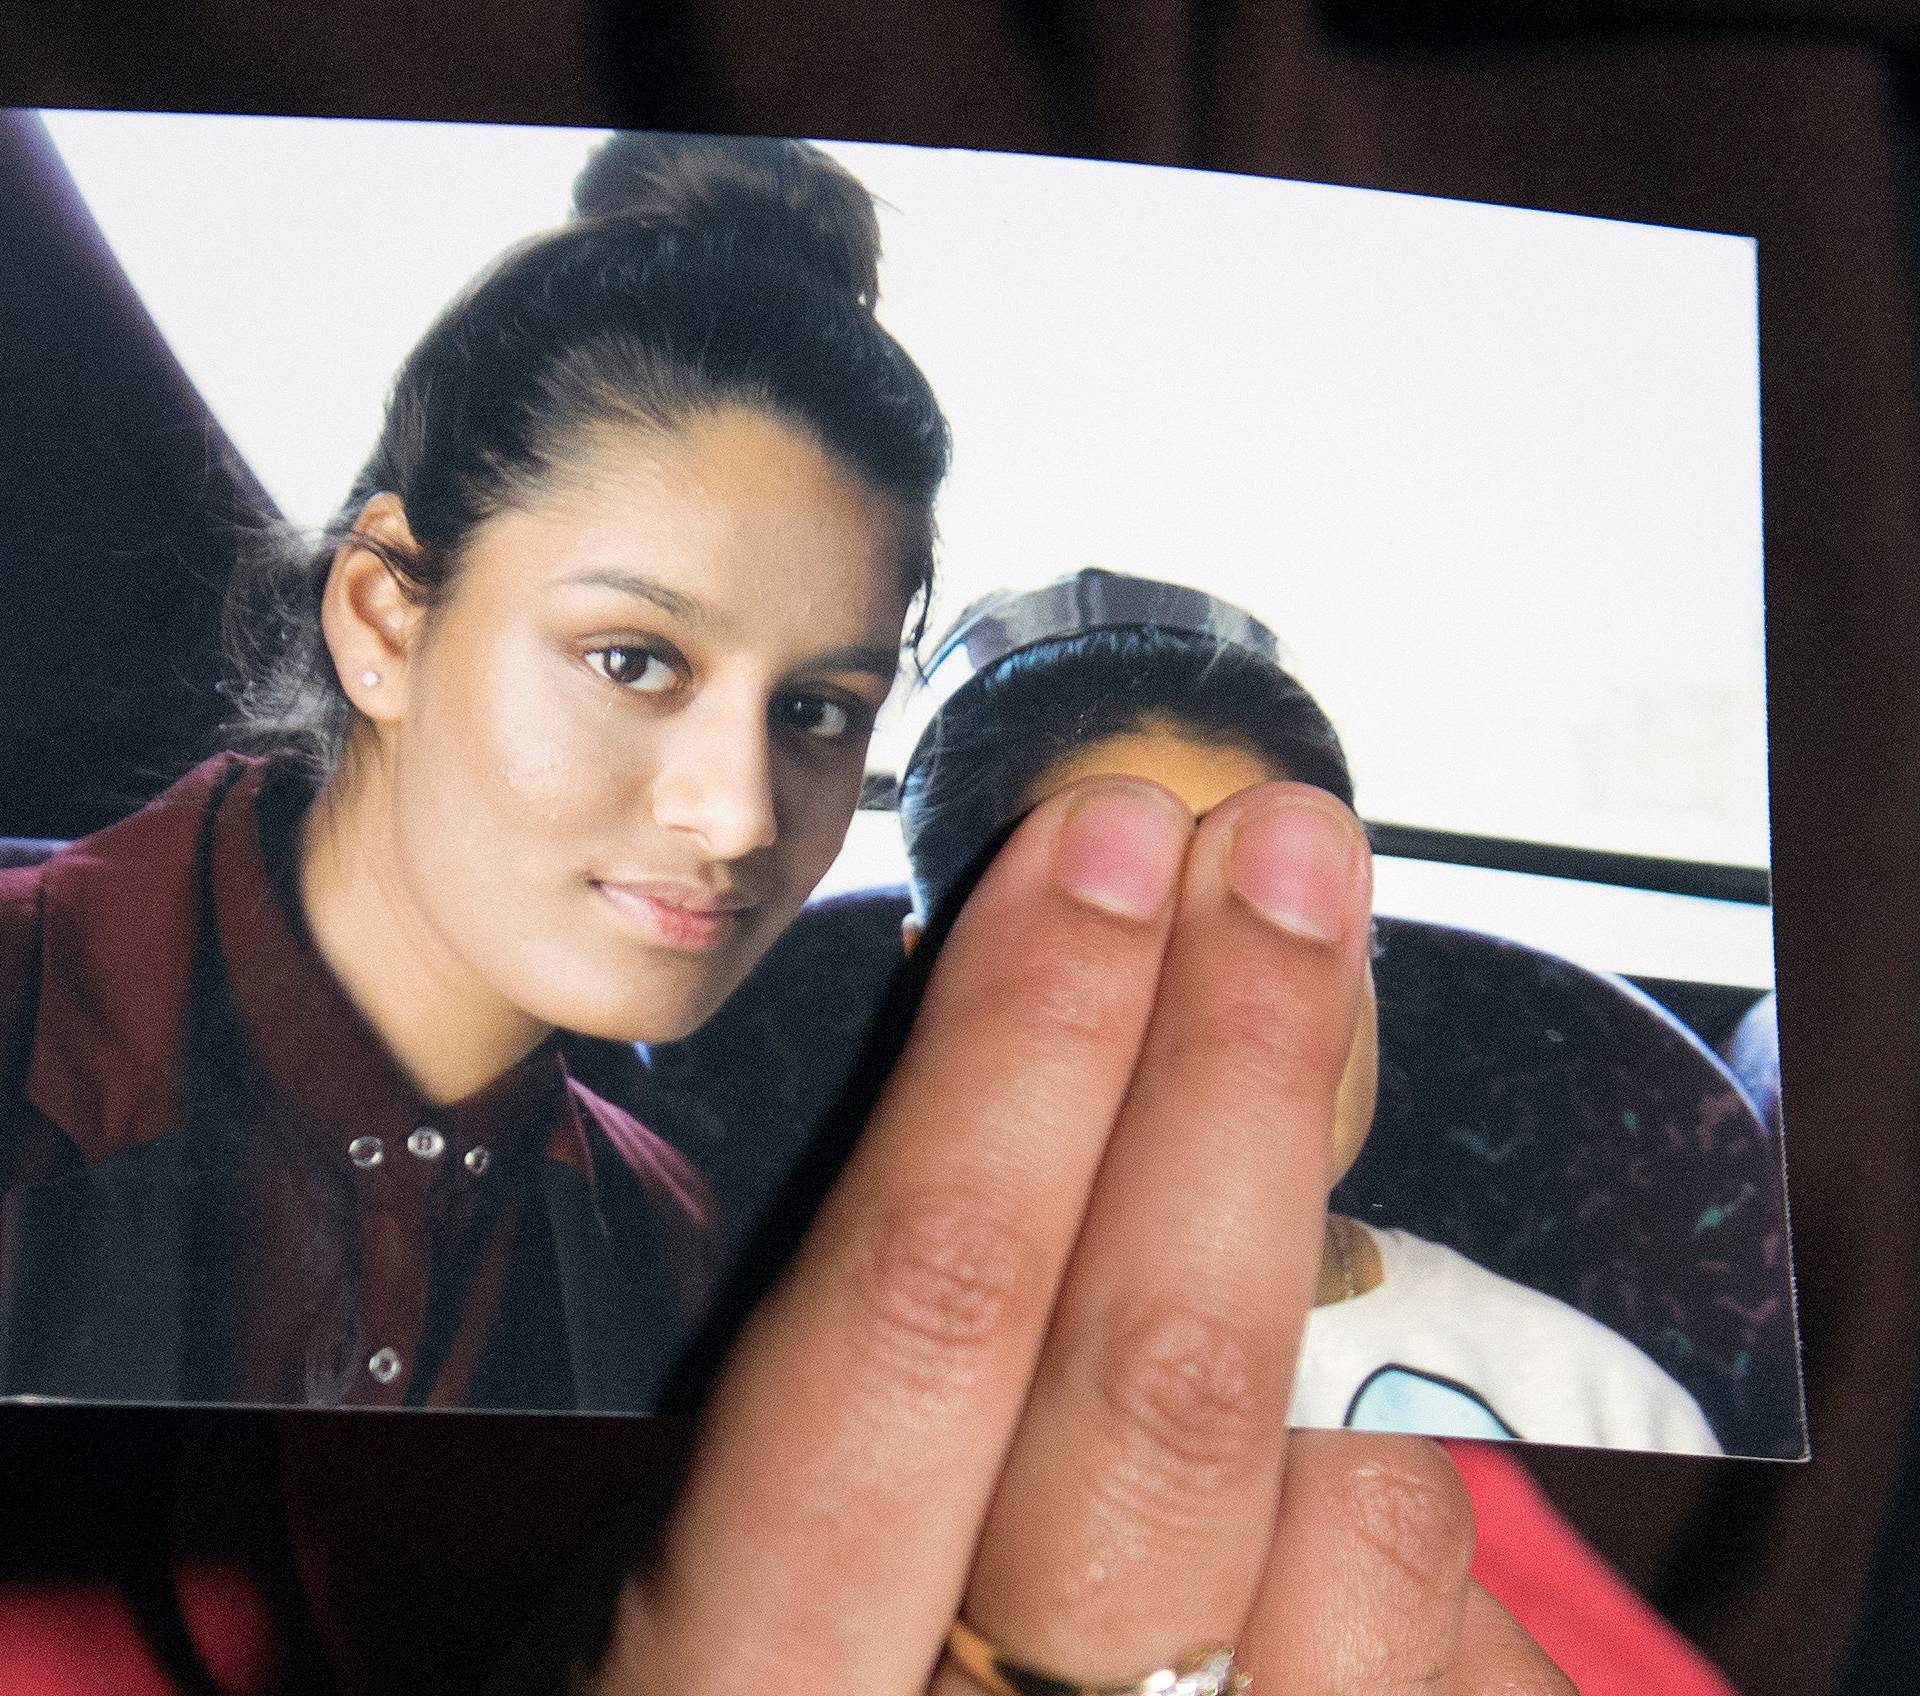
x=786, y=199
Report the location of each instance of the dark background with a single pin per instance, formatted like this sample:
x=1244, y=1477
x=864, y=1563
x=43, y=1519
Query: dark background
x=1790, y=120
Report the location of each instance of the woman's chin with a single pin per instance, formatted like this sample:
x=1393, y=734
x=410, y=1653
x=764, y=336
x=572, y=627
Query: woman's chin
x=623, y=1019
x=621, y=993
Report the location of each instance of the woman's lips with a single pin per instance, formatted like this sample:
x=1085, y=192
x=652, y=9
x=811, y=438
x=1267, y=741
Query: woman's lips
x=670, y=916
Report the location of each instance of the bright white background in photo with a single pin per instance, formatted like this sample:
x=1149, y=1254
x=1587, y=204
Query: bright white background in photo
x=1492, y=475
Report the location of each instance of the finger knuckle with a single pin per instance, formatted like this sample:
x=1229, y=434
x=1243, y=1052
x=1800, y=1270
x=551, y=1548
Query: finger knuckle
x=1070, y=978
x=1192, y=1395
x=944, y=1274
x=1076, y=992
x=1255, y=1044
x=1412, y=1512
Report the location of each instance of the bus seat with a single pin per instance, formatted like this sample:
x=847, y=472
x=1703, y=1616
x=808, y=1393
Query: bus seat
x=755, y=1095
x=1752, y=1054
x=1564, y=1129
x=25, y=850
x=1552, y=1123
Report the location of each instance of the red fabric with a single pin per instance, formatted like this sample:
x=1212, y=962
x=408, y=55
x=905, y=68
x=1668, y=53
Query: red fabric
x=1597, y=1628
x=82, y=1640
x=78, y=1640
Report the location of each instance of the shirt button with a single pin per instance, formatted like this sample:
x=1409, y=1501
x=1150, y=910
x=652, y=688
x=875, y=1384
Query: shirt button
x=366, y=1151
x=478, y=1159
x=426, y=1142
x=385, y=1366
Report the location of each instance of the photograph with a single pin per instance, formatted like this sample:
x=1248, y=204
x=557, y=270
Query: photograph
x=523, y=643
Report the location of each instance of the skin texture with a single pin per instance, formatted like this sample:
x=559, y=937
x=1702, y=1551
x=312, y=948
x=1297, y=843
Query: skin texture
x=1203, y=774
x=1032, y=1362
x=594, y=784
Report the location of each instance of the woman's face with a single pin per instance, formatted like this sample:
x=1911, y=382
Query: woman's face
x=632, y=737
x=1203, y=774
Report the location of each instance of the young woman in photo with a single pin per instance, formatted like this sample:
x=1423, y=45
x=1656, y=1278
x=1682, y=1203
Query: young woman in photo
x=555, y=730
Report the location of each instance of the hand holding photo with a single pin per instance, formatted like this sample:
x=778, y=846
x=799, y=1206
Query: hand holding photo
x=484, y=994
x=1107, y=675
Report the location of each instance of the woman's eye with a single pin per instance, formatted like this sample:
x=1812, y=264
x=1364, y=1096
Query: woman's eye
x=638, y=669
x=817, y=715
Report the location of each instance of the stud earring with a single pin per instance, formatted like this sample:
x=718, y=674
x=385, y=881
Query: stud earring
x=370, y=678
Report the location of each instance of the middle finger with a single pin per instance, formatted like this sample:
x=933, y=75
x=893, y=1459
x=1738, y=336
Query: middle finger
x=848, y=1453
x=1134, y=1514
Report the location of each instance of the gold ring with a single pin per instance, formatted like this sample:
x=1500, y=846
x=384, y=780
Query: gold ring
x=1205, y=1672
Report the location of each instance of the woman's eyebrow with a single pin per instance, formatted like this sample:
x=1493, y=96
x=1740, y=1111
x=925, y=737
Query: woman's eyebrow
x=877, y=661
x=682, y=606
x=882, y=663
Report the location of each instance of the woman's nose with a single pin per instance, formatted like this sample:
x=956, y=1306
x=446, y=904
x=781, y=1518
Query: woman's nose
x=716, y=782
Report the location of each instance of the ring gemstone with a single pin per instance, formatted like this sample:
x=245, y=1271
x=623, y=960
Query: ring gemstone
x=1213, y=1675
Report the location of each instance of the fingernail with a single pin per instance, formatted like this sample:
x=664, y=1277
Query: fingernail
x=1294, y=864
x=1120, y=849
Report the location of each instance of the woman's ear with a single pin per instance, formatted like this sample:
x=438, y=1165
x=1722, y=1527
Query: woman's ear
x=367, y=614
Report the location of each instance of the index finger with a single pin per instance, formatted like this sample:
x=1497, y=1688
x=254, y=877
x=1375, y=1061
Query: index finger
x=851, y=1448
x=1136, y=1508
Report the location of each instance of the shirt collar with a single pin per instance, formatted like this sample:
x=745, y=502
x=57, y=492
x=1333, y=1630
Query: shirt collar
x=123, y=920
x=310, y=1042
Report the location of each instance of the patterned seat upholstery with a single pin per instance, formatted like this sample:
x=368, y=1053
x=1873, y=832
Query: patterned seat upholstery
x=1551, y=1123
x=766, y=1095
x=1565, y=1130
x=1752, y=1054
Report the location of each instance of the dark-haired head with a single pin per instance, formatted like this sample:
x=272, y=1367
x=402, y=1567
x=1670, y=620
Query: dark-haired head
x=1203, y=716
x=698, y=274
x=996, y=745
x=586, y=666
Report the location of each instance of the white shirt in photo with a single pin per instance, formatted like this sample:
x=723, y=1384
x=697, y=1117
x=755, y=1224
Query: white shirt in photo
x=1443, y=1347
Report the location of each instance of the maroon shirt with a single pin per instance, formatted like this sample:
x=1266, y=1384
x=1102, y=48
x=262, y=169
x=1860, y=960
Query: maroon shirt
x=167, y=1030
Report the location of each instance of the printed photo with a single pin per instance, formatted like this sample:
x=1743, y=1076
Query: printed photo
x=520, y=643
